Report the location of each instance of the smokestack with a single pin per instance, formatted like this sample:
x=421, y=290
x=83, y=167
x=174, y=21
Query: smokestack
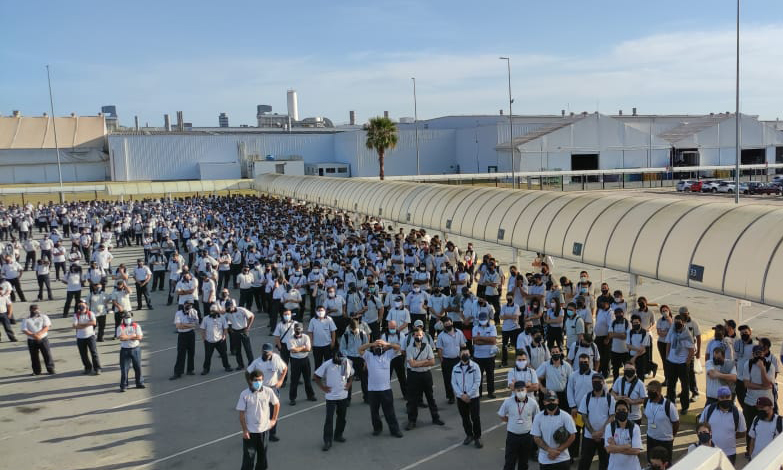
x=386, y=114
x=501, y=112
x=167, y=122
x=180, y=122
x=136, y=121
x=352, y=117
x=620, y=112
x=633, y=111
x=293, y=105
x=562, y=112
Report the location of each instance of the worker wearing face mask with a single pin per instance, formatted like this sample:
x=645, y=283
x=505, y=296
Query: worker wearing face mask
x=335, y=377
x=214, y=329
x=129, y=333
x=597, y=410
x=766, y=426
x=274, y=371
x=518, y=412
x=553, y=432
x=254, y=405
x=485, y=350
x=399, y=314
x=420, y=358
x=726, y=421
x=524, y=373
x=378, y=356
x=466, y=383
x=323, y=334
x=679, y=354
x=623, y=440
x=393, y=335
x=299, y=346
x=448, y=344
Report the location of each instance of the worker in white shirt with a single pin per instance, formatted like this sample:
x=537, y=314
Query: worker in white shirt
x=30, y=246
x=36, y=327
x=466, y=381
x=129, y=333
x=596, y=409
x=766, y=426
x=274, y=371
x=214, y=328
x=420, y=358
x=46, y=246
x=623, y=439
x=334, y=377
x=186, y=321
x=241, y=320
x=518, y=412
x=143, y=276
x=323, y=337
x=254, y=405
x=299, y=346
x=448, y=344
x=99, y=303
x=377, y=357
x=42, y=271
x=245, y=279
x=84, y=322
x=12, y=273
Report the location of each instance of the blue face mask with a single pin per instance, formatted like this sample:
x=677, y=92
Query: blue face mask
x=256, y=385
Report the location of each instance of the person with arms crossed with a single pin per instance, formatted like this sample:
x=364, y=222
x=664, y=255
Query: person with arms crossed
x=623, y=439
x=129, y=333
x=255, y=418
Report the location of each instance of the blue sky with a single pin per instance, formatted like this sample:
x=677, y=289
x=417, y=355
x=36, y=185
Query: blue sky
x=151, y=58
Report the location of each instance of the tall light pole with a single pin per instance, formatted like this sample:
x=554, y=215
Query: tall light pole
x=737, y=115
x=54, y=126
x=510, y=120
x=416, y=123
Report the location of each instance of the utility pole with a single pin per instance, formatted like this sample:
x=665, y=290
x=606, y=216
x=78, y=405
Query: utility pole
x=56, y=145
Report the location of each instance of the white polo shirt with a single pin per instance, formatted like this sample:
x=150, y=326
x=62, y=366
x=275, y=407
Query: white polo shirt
x=36, y=324
x=133, y=329
x=256, y=408
x=214, y=328
x=189, y=318
x=520, y=414
x=272, y=369
x=293, y=342
x=336, y=378
x=322, y=331
x=142, y=273
x=723, y=433
x=544, y=427
x=621, y=437
x=240, y=319
x=378, y=370
x=764, y=432
x=597, y=411
x=634, y=391
x=450, y=343
x=659, y=424
x=83, y=319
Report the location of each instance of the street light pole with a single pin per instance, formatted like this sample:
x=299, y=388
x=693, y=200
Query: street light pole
x=416, y=123
x=738, y=151
x=54, y=126
x=510, y=120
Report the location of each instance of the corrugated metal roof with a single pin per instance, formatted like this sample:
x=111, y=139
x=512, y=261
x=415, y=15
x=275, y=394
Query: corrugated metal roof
x=540, y=132
x=37, y=132
x=693, y=125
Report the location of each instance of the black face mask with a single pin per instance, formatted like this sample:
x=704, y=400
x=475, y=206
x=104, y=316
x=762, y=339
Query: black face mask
x=745, y=337
x=551, y=406
x=621, y=416
x=584, y=367
x=724, y=404
x=704, y=437
x=598, y=386
x=629, y=374
x=377, y=351
x=557, y=357
x=718, y=362
x=678, y=326
x=528, y=330
x=652, y=395
x=448, y=327
x=465, y=358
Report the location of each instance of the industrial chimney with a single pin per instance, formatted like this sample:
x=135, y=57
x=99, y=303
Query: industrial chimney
x=293, y=105
x=352, y=118
x=136, y=122
x=180, y=121
x=620, y=112
x=562, y=112
x=386, y=114
x=633, y=111
x=167, y=122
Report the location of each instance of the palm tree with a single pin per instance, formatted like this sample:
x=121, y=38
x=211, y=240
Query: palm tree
x=381, y=136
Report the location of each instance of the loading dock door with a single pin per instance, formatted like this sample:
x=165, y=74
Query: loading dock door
x=584, y=161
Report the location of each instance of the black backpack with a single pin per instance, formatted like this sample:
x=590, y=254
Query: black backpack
x=666, y=406
x=633, y=385
x=734, y=411
x=778, y=426
x=631, y=425
x=608, y=402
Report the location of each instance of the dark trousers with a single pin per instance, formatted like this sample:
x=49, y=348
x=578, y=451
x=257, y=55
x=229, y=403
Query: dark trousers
x=642, y=366
x=471, y=417
x=487, y=366
x=257, y=293
x=29, y=260
x=398, y=367
x=209, y=348
x=361, y=372
x=86, y=345
x=662, y=352
x=240, y=340
x=652, y=443
x=254, y=450
x=320, y=354
x=332, y=429
x=446, y=366
x=76, y=297
x=43, y=280
x=509, y=340
x=300, y=368
x=117, y=321
x=375, y=330
x=141, y=291
x=519, y=447
x=42, y=346
x=223, y=278
x=100, y=321
x=604, y=350
x=554, y=336
x=275, y=309
x=17, y=288
x=9, y=331
x=618, y=359
x=58, y=266
x=186, y=347
x=694, y=387
x=418, y=383
x=130, y=356
x=47, y=254
x=555, y=466
x=383, y=399
x=158, y=280
x=678, y=372
x=589, y=449
x=246, y=299
x=741, y=392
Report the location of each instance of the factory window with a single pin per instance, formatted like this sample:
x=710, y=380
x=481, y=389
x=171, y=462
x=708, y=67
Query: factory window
x=753, y=157
x=779, y=159
x=330, y=170
x=280, y=168
x=492, y=169
x=342, y=170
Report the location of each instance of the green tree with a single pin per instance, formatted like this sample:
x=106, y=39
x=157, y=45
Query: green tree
x=381, y=136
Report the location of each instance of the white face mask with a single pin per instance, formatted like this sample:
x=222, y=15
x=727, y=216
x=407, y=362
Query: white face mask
x=398, y=304
x=321, y=313
x=520, y=394
x=483, y=322
x=332, y=294
x=552, y=304
x=127, y=321
x=521, y=364
x=417, y=289
x=287, y=318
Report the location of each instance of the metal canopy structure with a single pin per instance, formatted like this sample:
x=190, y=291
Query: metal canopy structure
x=712, y=246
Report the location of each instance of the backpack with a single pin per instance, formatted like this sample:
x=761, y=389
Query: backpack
x=633, y=385
x=666, y=406
x=631, y=425
x=608, y=402
x=778, y=425
x=711, y=409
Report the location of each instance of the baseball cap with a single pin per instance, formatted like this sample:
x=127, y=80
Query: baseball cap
x=731, y=323
x=598, y=376
x=724, y=392
x=763, y=401
x=550, y=395
x=684, y=309
x=418, y=323
x=483, y=316
x=266, y=347
x=519, y=384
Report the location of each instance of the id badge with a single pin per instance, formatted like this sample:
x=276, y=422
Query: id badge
x=520, y=421
x=653, y=426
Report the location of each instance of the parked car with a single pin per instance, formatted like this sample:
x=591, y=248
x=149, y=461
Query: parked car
x=757, y=187
x=710, y=186
x=688, y=185
x=729, y=187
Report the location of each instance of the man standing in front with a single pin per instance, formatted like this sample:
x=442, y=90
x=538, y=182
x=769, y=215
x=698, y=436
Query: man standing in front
x=466, y=382
x=377, y=357
x=214, y=328
x=36, y=327
x=254, y=417
x=186, y=321
x=448, y=344
x=143, y=277
x=419, y=359
x=335, y=377
x=518, y=411
x=552, y=441
x=274, y=371
x=130, y=335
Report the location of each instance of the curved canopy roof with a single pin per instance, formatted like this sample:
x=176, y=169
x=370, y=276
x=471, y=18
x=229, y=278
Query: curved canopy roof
x=718, y=247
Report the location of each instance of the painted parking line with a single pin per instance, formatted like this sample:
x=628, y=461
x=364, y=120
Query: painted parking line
x=447, y=449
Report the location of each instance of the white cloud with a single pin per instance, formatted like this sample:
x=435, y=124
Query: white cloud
x=689, y=71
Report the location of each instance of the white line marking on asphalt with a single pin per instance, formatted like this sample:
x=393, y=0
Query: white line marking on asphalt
x=745, y=320
x=175, y=390
x=447, y=449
